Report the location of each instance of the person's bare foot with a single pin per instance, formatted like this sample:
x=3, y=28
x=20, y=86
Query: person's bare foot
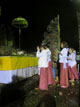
x=71, y=80
x=64, y=86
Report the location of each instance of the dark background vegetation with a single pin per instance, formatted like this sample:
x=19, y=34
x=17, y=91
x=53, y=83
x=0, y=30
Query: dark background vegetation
x=39, y=13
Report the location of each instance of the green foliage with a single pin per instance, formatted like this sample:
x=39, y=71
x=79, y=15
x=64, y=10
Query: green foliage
x=20, y=22
x=3, y=34
x=6, y=34
x=76, y=4
x=6, y=50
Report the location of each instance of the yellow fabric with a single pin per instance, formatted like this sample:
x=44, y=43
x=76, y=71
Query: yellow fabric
x=17, y=62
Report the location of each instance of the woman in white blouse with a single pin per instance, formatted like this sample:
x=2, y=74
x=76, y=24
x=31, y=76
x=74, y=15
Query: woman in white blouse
x=73, y=73
x=50, y=73
x=63, y=65
x=43, y=65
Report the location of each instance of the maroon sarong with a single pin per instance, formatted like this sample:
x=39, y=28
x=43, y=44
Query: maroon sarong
x=50, y=74
x=64, y=75
x=43, y=82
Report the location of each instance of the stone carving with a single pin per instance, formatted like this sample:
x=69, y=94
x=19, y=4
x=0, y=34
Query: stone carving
x=52, y=39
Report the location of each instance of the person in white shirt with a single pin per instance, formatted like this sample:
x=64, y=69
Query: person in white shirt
x=43, y=65
x=63, y=65
x=73, y=73
x=50, y=73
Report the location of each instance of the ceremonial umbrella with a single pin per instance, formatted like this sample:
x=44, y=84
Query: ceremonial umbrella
x=19, y=23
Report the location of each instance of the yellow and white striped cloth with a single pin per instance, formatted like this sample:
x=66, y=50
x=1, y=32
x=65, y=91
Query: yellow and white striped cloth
x=21, y=66
x=13, y=63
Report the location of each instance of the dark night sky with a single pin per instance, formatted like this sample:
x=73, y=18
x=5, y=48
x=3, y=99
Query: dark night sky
x=39, y=13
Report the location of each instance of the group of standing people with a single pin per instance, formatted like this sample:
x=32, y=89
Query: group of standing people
x=68, y=68
x=68, y=65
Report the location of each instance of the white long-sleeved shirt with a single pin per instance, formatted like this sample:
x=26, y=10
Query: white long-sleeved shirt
x=48, y=54
x=72, y=62
x=43, y=58
x=63, y=55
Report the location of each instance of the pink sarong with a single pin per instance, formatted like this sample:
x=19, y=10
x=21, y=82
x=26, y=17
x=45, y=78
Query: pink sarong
x=50, y=74
x=71, y=76
x=43, y=82
x=64, y=75
x=75, y=72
